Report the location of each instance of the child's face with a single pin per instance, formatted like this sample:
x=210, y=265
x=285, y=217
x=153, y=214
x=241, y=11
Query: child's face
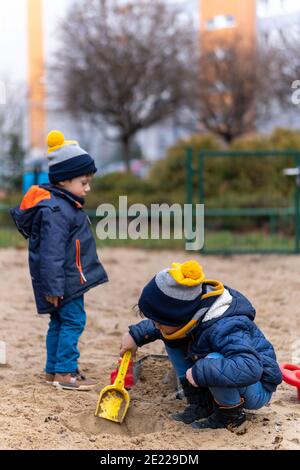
x=79, y=186
x=168, y=330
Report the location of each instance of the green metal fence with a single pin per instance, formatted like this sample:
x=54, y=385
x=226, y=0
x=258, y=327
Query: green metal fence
x=235, y=228
x=9, y=236
x=270, y=229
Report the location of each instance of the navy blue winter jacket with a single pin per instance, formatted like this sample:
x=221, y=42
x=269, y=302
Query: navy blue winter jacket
x=63, y=259
x=248, y=356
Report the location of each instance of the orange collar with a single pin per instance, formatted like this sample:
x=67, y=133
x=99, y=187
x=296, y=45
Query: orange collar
x=33, y=197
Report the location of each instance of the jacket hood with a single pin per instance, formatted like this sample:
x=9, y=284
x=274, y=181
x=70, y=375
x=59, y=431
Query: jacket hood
x=37, y=197
x=231, y=303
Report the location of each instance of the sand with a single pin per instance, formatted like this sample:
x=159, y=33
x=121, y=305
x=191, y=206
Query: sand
x=34, y=415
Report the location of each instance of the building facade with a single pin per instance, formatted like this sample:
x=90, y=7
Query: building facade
x=227, y=20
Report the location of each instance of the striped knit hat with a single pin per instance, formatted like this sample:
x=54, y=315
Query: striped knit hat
x=173, y=296
x=66, y=159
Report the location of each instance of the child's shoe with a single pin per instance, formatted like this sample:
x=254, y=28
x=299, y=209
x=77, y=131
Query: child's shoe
x=200, y=403
x=228, y=417
x=74, y=381
x=49, y=378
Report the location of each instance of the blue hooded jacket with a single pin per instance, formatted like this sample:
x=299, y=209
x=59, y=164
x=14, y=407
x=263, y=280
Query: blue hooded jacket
x=63, y=259
x=248, y=357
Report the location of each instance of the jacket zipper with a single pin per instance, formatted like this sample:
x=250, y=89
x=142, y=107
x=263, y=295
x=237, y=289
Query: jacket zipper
x=83, y=279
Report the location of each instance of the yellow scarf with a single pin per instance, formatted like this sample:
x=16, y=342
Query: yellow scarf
x=218, y=289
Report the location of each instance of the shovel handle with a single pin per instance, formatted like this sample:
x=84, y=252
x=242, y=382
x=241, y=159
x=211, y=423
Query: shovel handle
x=119, y=382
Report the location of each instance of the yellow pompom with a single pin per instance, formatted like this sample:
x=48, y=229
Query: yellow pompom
x=192, y=270
x=55, y=139
x=189, y=273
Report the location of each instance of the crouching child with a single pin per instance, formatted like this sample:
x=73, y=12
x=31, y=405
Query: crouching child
x=223, y=360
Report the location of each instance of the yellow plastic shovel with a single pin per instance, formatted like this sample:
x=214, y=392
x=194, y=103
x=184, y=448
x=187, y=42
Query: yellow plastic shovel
x=114, y=399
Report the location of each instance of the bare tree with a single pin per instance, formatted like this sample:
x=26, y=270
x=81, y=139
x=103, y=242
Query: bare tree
x=237, y=85
x=290, y=68
x=130, y=65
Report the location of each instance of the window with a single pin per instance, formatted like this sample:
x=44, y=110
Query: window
x=222, y=53
x=219, y=53
x=220, y=22
x=263, y=8
x=220, y=87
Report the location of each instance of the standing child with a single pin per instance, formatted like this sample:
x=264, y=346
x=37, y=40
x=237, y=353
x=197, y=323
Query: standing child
x=223, y=360
x=62, y=255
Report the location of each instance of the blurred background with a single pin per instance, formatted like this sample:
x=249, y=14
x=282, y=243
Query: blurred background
x=177, y=101
x=187, y=101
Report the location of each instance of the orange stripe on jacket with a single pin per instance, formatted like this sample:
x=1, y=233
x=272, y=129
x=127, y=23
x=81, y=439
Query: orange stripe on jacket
x=33, y=197
x=78, y=263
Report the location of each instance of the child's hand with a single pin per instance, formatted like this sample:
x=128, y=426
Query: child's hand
x=128, y=344
x=54, y=300
x=189, y=377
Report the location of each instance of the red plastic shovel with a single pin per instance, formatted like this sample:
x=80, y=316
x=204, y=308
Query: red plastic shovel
x=133, y=371
x=291, y=375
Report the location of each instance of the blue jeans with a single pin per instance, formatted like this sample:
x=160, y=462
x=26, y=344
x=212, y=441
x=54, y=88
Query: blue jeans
x=255, y=395
x=65, y=327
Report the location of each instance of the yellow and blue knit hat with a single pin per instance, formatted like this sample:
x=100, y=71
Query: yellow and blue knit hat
x=67, y=160
x=173, y=296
